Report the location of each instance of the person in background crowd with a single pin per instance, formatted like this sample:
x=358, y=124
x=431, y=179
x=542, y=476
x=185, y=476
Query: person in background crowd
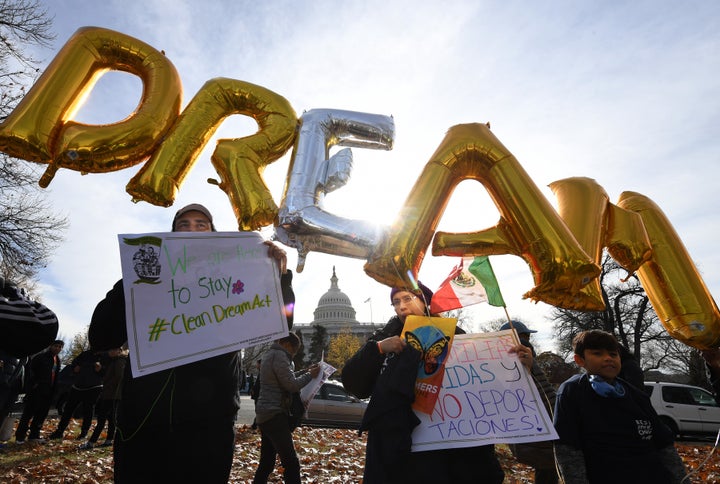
x=26, y=326
x=44, y=367
x=11, y=381
x=250, y=382
x=255, y=389
x=631, y=372
x=84, y=392
x=243, y=380
x=177, y=425
x=114, y=364
x=712, y=362
x=273, y=405
x=609, y=431
x=385, y=369
x=539, y=455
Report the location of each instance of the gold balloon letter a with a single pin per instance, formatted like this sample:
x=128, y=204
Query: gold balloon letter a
x=528, y=227
x=40, y=129
x=239, y=162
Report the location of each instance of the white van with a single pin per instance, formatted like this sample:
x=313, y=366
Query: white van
x=684, y=408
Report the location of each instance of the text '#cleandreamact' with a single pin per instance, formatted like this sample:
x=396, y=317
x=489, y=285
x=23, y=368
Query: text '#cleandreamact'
x=186, y=324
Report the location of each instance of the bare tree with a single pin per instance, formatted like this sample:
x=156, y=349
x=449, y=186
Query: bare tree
x=78, y=344
x=29, y=231
x=630, y=317
x=467, y=322
x=252, y=354
x=556, y=369
x=22, y=23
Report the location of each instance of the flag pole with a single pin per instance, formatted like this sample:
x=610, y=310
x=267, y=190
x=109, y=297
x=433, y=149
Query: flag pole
x=369, y=300
x=507, y=315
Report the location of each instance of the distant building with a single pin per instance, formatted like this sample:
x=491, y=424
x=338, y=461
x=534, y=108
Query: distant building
x=336, y=314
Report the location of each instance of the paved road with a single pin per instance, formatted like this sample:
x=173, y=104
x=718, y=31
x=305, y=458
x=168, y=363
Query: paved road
x=246, y=415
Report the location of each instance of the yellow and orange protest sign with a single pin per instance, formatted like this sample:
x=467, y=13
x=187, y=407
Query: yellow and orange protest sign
x=432, y=337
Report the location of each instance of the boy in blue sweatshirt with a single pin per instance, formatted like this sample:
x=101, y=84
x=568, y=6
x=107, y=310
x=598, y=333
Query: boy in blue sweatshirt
x=609, y=431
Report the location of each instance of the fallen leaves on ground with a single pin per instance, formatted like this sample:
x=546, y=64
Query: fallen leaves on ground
x=326, y=456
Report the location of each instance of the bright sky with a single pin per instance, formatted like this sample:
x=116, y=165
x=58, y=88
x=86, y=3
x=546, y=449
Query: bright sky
x=626, y=93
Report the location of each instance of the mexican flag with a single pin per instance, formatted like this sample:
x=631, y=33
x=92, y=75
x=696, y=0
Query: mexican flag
x=472, y=281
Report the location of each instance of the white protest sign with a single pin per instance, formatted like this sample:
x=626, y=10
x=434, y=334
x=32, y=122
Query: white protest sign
x=309, y=391
x=487, y=397
x=194, y=295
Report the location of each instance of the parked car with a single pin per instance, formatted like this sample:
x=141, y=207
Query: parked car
x=686, y=409
x=333, y=406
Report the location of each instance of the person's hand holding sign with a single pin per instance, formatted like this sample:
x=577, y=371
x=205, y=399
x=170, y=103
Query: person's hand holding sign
x=278, y=254
x=393, y=344
x=525, y=355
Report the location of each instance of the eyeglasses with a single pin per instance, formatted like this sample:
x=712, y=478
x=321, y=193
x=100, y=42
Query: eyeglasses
x=403, y=300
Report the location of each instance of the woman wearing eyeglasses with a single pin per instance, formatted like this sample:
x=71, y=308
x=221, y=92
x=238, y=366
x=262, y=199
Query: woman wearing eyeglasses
x=385, y=369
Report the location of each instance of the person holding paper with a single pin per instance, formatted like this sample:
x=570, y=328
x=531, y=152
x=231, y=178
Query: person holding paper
x=279, y=382
x=177, y=425
x=385, y=369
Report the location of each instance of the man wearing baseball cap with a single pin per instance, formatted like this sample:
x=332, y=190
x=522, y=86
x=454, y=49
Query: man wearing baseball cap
x=177, y=425
x=187, y=219
x=518, y=326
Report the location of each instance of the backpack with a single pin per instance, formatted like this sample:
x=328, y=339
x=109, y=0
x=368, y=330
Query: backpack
x=297, y=411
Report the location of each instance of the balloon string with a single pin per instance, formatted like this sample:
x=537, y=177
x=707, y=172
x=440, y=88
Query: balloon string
x=147, y=415
x=695, y=471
